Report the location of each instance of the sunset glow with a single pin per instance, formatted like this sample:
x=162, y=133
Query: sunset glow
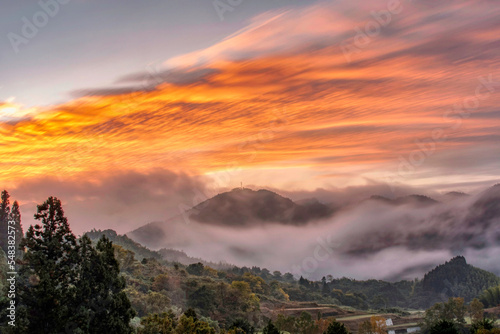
x=291, y=91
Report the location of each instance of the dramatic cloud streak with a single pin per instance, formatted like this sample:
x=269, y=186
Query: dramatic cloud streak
x=309, y=91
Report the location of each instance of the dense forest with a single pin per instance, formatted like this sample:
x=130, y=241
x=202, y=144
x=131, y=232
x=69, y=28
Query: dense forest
x=105, y=282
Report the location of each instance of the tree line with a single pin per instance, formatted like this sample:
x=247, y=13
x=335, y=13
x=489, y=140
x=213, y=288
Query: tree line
x=65, y=284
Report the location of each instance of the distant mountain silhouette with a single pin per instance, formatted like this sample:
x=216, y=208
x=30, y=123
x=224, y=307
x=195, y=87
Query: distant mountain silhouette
x=416, y=222
x=153, y=234
x=139, y=250
x=243, y=207
x=415, y=199
x=410, y=199
x=142, y=252
x=238, y=208
x=486, y=209
x=455, y=194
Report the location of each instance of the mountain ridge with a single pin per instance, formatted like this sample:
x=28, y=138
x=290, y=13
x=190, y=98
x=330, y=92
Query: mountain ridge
x=454, y=278
x=243, y=206
x=416, y=223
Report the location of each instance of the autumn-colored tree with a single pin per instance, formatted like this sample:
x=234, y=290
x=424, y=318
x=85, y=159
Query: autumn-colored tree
x=189, y=323
x=488, y=331
x=257, y=284
x=321, y=324
x=161, y=283
x=305, y=324
x=285, y=323
x=476, y=310
x=246, y=299
x=157, y=302
x=209, y=271
x=454, y=310
x=378, y=325
x=163, y=323
x=125, y=257
x=365, y=327
x=278, y=292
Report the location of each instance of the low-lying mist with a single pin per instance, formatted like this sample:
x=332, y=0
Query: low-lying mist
x=390, y=237
x=377, y=238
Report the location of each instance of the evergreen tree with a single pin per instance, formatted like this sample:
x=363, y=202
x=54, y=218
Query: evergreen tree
x=48, y=275
x=483, y=324
x=191, y=313
x=4, y=218
x=118, y=312
x=15, y=215
x=491, y=297
x=303, y=282
x=444, y=327
x=336, y=327
x=242, y=326
x=101, y=304
x=270, y=329
x=8, y=214
x=324, y=288
x=67, y=286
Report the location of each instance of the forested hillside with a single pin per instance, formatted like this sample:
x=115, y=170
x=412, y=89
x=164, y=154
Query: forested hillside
x=455, y=278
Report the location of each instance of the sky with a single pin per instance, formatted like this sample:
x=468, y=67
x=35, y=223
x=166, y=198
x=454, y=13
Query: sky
x=145, y=107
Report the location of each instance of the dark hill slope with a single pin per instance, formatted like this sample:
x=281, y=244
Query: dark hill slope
x=242, y=206
x=139, y=250
x=456, y=278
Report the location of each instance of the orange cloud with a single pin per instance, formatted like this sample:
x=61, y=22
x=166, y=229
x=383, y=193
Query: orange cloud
x=281, y=94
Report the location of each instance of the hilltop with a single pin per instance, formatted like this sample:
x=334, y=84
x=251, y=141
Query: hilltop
x=243, y=207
